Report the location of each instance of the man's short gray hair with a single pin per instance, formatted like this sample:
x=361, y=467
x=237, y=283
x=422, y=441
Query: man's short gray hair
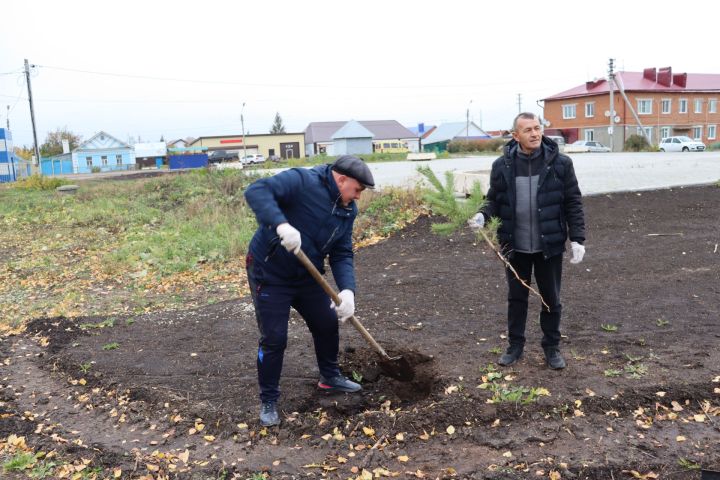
x=526, y=116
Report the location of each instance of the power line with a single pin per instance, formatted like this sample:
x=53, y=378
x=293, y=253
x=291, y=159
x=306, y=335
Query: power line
x=282, y=85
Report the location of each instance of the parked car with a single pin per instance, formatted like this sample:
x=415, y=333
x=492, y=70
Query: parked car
x=586, y=146
x=220, y=156
x=681, y=144
x=253, y=158
x=274, y=158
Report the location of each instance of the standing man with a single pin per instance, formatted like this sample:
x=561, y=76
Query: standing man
x=313, y=209
x=534, y=192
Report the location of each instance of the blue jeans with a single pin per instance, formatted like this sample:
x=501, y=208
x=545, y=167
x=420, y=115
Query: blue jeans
x=272, y=310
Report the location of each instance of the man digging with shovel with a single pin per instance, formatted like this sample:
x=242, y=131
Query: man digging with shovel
x=313, y=209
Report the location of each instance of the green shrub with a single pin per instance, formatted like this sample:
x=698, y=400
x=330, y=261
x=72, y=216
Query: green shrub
x=38, y=182
x=489, y=145
x=637, y=143
x=714, y=146
x=95, y=169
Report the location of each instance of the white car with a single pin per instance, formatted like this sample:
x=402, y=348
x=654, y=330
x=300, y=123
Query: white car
x=253, y=158
x=681, y=144
x=586, y=146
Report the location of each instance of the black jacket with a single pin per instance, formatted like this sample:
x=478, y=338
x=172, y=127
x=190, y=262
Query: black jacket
x=559, y=201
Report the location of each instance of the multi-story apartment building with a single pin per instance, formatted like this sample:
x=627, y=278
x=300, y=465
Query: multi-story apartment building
x=666, y=104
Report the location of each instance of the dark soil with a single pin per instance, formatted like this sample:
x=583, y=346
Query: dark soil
x=641, y=328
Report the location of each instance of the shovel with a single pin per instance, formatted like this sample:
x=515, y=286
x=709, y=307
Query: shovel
x=396, y=367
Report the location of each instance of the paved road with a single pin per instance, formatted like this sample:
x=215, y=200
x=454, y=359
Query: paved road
x=596, y=172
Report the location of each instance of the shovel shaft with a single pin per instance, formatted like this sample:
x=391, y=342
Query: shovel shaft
x=334, y=296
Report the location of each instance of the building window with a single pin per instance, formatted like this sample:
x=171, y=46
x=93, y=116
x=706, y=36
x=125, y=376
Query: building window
x=712, y=132
x=682, y=106
x=590, y=109
x=712, y=106
x=698, y=105
x=664, y=132
x=648, y=132
x=644, y=107
x=697, y=133
x=589, y=134
x=118, y=159
x=666, y=105
x=104, y=160
x=568, y=111
x=88, y=161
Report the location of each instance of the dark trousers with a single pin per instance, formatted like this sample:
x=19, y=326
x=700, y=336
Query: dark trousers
x=548, y=273
x=272, y=310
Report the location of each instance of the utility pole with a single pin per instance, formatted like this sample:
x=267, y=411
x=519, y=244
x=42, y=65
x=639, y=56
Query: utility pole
x=242, y=124
x=519, y=103
x=611, y=87
x=8, y=117
x=32, y=112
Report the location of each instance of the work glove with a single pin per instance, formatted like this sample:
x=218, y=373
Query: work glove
x=578, y=252
x=289, y=237
x=346, y=309
x=476, y=222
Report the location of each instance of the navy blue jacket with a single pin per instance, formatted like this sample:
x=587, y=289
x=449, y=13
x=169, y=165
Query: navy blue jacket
x=309, y=200
x=559, y=201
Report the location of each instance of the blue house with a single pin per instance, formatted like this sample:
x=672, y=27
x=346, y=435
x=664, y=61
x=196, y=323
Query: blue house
x=103, y=152
x=11, y=166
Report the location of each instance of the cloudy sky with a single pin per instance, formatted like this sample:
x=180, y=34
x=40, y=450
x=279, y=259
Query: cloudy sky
x=176, y=69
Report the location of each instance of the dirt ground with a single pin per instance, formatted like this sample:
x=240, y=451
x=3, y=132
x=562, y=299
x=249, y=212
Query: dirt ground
x=175, y=393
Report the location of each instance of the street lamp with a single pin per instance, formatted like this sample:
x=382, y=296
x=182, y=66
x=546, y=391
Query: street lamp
x=242, y=124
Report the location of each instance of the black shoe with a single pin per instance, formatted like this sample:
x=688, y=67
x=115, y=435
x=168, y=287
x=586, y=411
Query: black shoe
x=269, y=415
x=338, y=384
x=512, y=355
x=554, y=359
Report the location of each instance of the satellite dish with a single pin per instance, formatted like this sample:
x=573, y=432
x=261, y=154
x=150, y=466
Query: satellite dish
x=616, y=119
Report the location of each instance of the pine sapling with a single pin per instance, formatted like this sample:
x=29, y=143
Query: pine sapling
x=442, y=200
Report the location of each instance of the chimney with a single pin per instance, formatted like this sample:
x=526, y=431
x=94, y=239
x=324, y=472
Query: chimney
x=664, y=76
x=680, y=79
x=650, y=74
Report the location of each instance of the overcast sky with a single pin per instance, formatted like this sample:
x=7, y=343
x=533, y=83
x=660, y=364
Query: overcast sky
x=177, y=69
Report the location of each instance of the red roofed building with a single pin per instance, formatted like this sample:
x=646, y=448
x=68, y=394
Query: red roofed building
x=667, y=104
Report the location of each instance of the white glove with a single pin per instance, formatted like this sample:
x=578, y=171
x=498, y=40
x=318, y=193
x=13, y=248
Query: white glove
x=289, y=237
x=346, y=309
x=476, y=222
x=578, y=252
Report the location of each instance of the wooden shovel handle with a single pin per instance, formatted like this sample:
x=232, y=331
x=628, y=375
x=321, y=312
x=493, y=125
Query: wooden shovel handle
x=334, y=296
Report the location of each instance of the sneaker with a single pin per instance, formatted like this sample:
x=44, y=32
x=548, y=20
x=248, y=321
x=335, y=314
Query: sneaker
x=512, y=355
x=269, y=415
x=554, y=359
x=338, y=384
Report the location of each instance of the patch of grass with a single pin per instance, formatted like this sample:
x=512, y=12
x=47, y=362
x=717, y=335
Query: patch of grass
x=612, y=372
x=85, y=367
x=19, y=462
x=111, y=346
x=495, y=350
x=688, y=464
x=504, y=392
x=636, y=370
x=609, y=327
x=661, y=322
x=110, y=322
x=357, y=376
x=39, y=182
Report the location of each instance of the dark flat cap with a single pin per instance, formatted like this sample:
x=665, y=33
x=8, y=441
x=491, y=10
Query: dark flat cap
x=354, y=167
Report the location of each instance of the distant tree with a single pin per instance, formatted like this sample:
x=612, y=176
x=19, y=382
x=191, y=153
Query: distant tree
x=277, y=126
x=53, y=142
x=24, y=152
x=162, y=138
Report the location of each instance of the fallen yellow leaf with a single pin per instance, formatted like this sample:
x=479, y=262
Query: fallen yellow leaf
x=403, y=458
x=209, y=438
x=369, y=431
x=680, y=438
